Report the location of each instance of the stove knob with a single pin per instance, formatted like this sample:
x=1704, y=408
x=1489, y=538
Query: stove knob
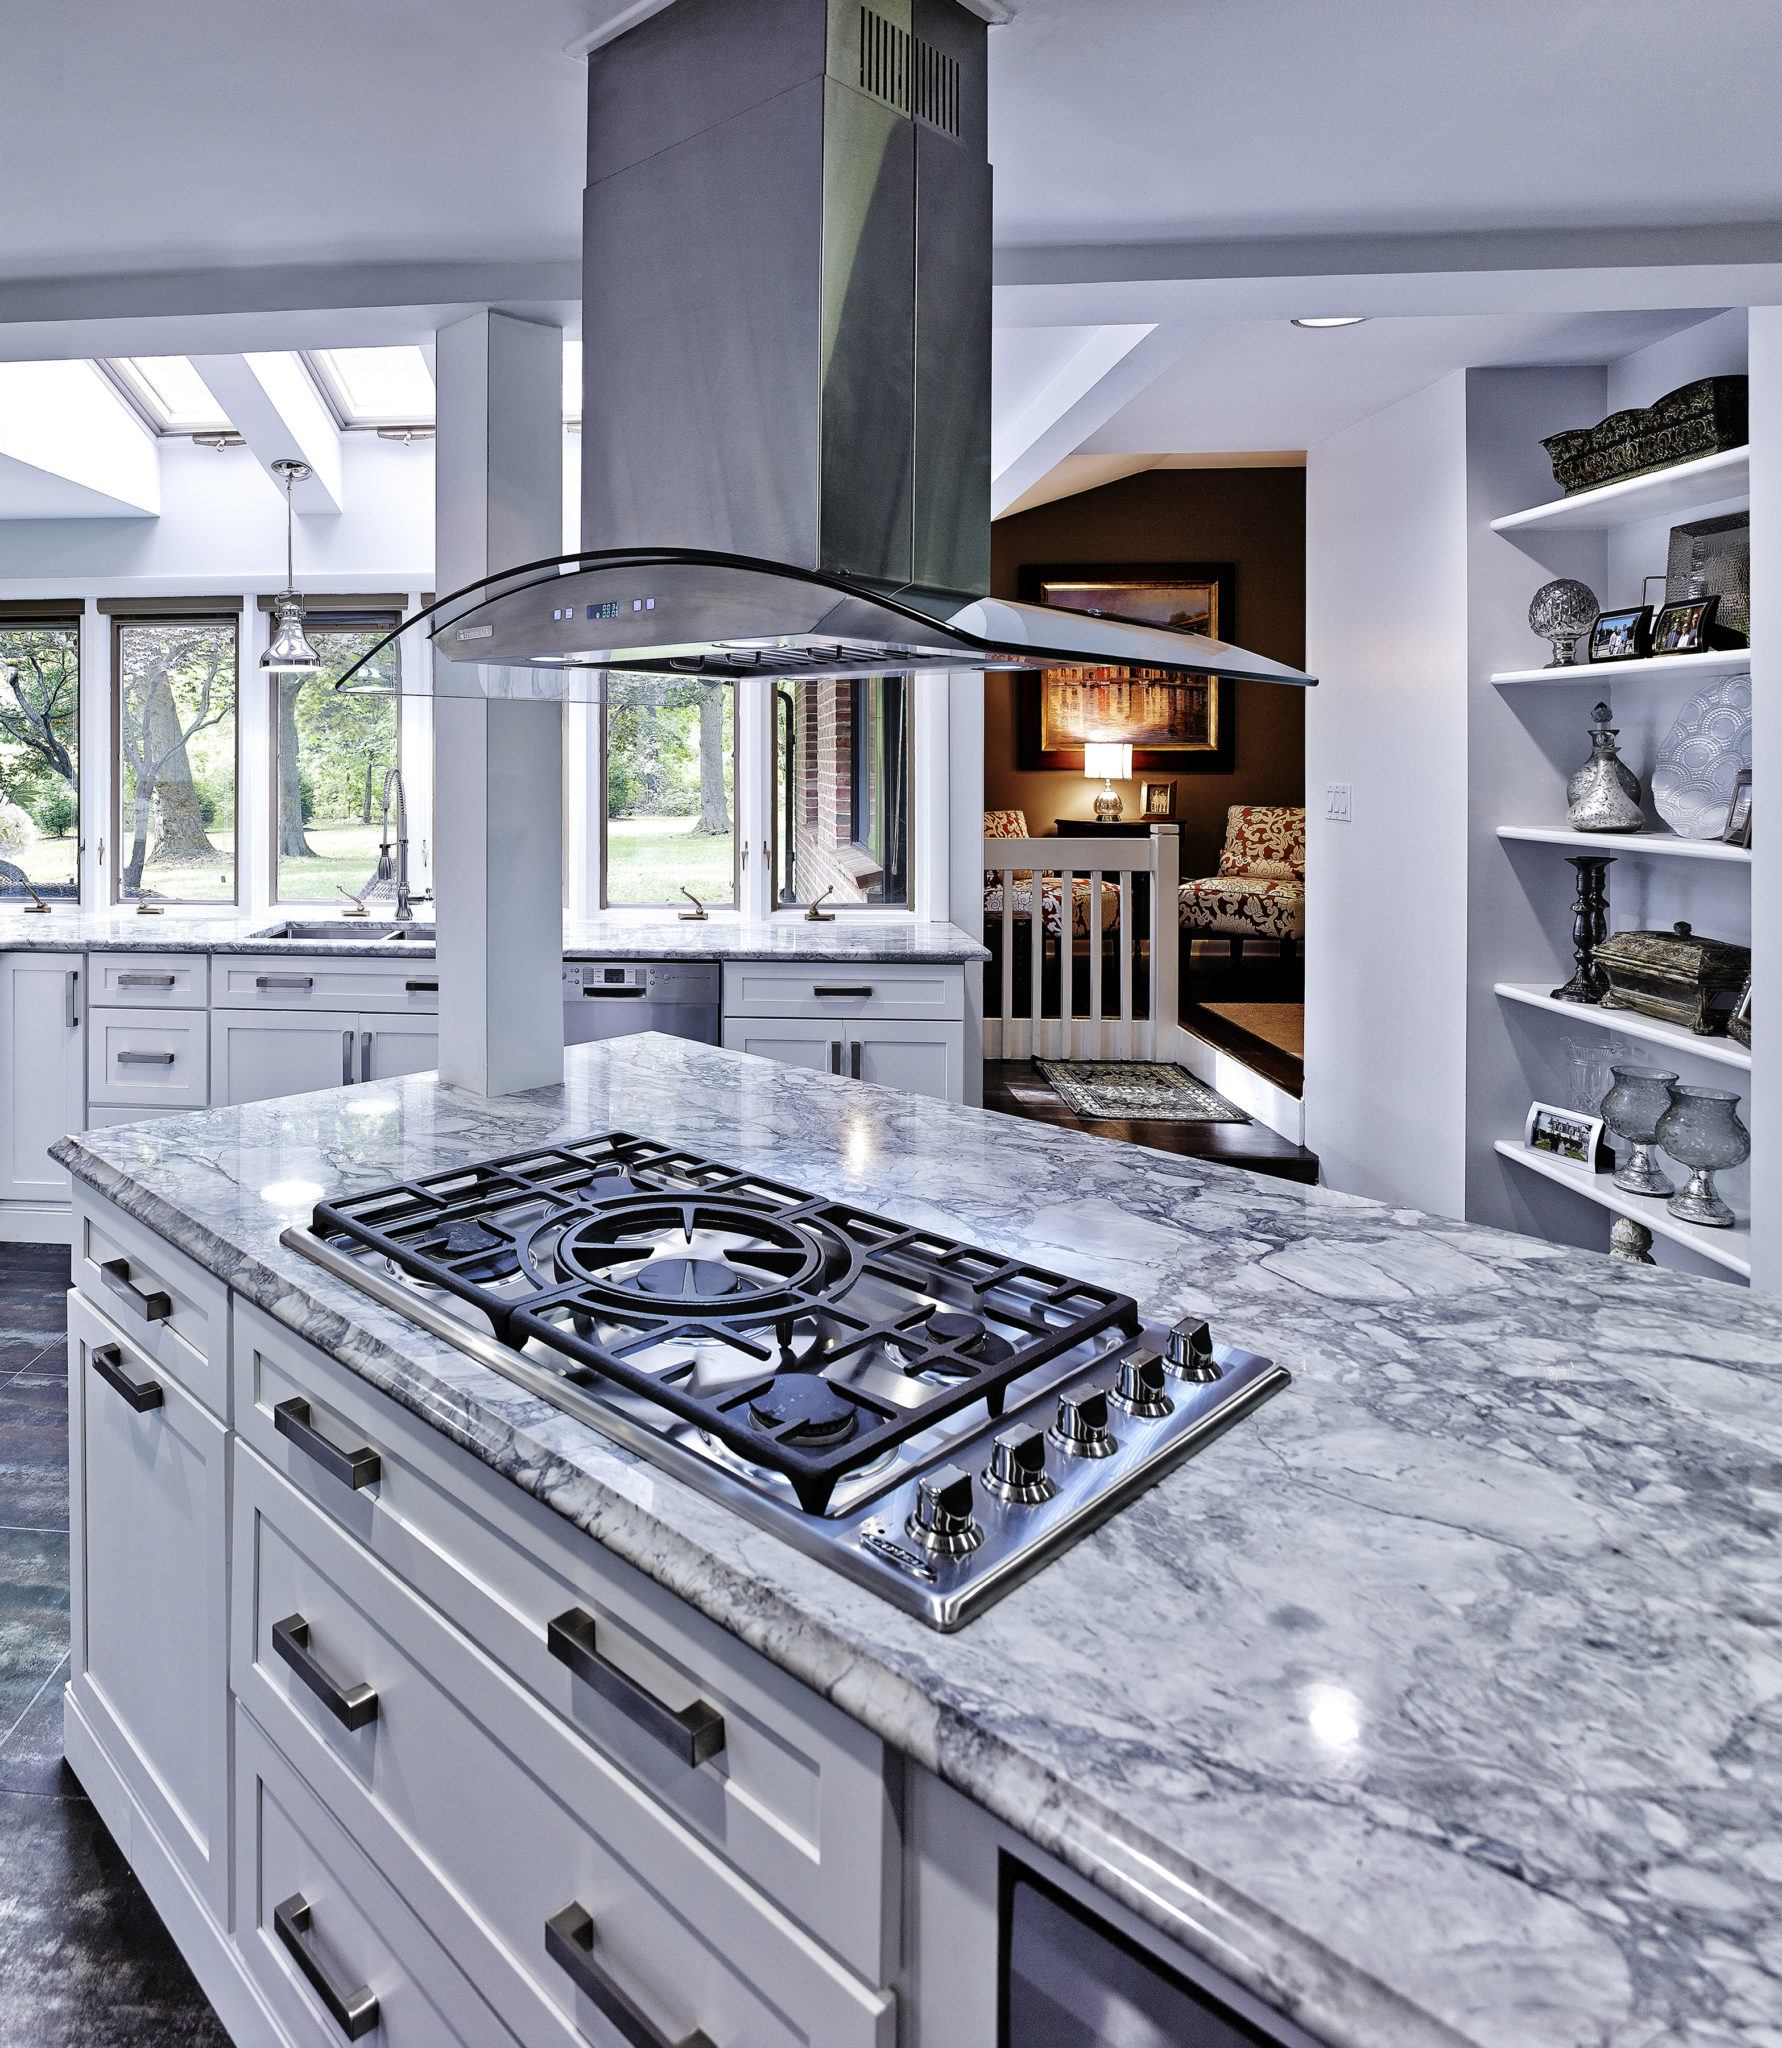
x=942, y=1521
x=1140, y=1389
x=1188, y=1354
x=1018, y=1468
x=1081, y=1430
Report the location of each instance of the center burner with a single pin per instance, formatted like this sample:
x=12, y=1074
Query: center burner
x=931, y=1417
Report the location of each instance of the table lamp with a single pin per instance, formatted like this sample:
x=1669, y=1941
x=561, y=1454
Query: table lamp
x=1112, y=761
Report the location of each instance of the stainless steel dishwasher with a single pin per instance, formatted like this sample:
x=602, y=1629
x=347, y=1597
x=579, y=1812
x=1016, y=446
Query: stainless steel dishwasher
x=613, y=998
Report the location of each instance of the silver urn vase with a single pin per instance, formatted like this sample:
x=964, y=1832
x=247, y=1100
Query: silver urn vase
x=1561, y=611
x=1604, y=795
x=1701, y=1130
x=1639, y=1096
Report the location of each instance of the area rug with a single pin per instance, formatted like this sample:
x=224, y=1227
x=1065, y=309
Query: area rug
x=1137, y=1091
x=1282, y=1025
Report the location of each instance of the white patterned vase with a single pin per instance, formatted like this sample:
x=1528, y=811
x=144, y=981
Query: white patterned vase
x=1700, y=758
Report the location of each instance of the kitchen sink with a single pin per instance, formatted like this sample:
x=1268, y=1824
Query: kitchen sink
x=348, y=928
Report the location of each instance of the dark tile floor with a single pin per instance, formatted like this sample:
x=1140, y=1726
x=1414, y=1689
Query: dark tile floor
x=84, y=1960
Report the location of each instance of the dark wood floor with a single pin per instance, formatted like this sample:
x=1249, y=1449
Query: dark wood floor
x=84, y=1960
x=1015, y=1088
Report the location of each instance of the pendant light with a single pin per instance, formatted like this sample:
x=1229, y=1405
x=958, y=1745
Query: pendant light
x=290, y=653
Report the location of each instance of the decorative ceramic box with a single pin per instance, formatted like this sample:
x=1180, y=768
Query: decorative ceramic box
x=1696, y=419
x=1674, y=976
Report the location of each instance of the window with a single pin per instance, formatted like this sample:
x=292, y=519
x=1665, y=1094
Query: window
x=331, y=754
x=170, y=394
x=670, y=820
x=40, y=758
x=174, y=698
x=376, y=387
x=842, y=791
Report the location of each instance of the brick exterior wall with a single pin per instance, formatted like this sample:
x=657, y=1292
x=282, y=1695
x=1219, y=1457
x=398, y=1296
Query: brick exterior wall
x=825, y=851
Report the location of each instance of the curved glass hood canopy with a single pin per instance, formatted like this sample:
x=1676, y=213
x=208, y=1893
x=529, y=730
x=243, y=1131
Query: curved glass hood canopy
x=558, y=628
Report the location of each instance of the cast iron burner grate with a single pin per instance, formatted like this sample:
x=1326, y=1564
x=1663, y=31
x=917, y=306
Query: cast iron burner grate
x=615, y=1250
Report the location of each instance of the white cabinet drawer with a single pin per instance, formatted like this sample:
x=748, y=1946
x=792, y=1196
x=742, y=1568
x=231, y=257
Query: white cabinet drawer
x=388, y=981
x=324, y=1935
x=150, y=981
x=170, y=1308
x=494, y=1819
x=796, y=1799
x=772, y=989
x=148, y=1058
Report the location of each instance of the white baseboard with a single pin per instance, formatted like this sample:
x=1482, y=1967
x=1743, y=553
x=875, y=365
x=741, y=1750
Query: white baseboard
x=36, y=1223
x=1252, y=1092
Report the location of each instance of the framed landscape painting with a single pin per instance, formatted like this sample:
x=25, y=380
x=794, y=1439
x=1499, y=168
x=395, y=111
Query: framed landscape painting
x=1167, y=723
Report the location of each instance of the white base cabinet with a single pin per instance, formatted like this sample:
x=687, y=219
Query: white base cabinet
x=900, y=1025
x=43, y=1076
x=256, y=1055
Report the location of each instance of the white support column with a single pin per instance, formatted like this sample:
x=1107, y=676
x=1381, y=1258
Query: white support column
x=97, y=799
x=256, y=883
x=498, y=766
x=414, y=717
x=965, y=864
x=753, y=809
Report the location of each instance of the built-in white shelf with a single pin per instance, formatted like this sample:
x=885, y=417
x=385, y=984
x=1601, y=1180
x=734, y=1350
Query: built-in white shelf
x=1728, y=1248
x=1667, y=844
x=1602, y=675
x=1728, y=1052
x=1684, y=487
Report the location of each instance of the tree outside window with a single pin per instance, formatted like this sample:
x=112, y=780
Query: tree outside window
x=332, y=753
x=175, y=696
x=40, y=759
x=670, y=791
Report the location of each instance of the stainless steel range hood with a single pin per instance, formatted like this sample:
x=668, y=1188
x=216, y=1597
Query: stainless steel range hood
x=786, y=364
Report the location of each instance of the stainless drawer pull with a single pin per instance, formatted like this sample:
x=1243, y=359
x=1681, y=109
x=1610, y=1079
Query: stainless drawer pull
x=362, y=1467
x=823, y=991
x=142, y=1395
x=284, y=981
x=146, y=980
x=569, y=1942
x=695, y=1734
x=421, y=988
x=854, y=1059
x=149, y=1302
x=145, y=1059
x=353, y=2012
x=835, y=1055
x=353, y=1706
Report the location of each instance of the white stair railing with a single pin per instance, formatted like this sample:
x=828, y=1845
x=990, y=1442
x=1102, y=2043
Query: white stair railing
x=1076, y=930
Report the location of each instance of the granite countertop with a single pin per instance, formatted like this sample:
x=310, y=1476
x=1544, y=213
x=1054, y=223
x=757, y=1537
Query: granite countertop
x=70, y=928
x=1437, y=1701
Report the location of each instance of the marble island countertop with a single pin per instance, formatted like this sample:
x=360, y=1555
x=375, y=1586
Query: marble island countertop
x=1438, y=1701
x=615, y=936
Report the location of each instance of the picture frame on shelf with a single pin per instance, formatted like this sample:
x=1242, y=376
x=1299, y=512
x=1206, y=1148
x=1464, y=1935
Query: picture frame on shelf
x=1157, y=800
x=1622, y=635
x=1685, y=625
x=1567, y=1134
x=1738, y=1025
x=1737, y=829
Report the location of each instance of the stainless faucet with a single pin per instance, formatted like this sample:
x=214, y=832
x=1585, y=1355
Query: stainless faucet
x=406, y=898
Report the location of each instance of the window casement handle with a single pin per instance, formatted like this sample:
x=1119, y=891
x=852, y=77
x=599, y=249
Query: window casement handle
x=354, y=2012
x=695, y=1734
x=150, y=1303
x=355, y=1468
x=108, y=1362
x=353, y=1706
x=569, y=1942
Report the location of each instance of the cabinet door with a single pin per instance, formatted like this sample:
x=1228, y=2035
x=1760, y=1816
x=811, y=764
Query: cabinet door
x=795, y=1041
x=388, y=1048
x=255, y=1055
x=149, y=1527
x=921, y=1059
x=42, y=1005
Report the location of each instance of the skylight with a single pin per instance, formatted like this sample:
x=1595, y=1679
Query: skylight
x=377, y=387
x=170, y=394
x=572, y=383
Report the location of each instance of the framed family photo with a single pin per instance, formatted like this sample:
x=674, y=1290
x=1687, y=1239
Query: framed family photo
x=1567, y=1134
x=1170, y=723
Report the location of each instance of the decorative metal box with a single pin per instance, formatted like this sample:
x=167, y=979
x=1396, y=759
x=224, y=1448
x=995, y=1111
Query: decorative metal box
x=1674, y=976
x=1696, y=419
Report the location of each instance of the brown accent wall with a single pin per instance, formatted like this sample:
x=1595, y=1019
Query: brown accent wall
x=1254, y=518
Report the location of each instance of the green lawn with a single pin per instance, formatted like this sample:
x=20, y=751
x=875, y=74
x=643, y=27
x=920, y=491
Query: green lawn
x=648, y=859
x=344, y=853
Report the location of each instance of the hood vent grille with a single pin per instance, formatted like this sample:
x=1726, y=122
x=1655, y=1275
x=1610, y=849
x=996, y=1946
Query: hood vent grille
x=885, y=60
x=937, y=88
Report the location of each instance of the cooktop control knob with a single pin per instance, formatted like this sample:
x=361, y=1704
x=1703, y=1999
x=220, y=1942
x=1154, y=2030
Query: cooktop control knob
x=1017, y=1471
x=1189, y=1352
x=1081, y=1427
x=943, y=1522
x=1139, y=1390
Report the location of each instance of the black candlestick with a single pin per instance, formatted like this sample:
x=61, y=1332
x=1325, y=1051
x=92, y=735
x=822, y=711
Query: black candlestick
x=1590, y=926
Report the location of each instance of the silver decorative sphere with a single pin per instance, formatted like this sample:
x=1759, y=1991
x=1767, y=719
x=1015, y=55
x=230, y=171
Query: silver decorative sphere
x=1561, y=611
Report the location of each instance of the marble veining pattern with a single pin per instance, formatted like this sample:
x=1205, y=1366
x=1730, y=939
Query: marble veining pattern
x=70, y=928
x=1437, y=1702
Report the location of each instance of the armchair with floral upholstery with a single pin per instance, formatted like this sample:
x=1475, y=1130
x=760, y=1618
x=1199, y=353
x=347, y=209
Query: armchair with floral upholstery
x=1260, y=889
x=1013, y=825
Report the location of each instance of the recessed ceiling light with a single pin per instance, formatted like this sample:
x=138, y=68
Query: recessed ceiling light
x=1334, y=320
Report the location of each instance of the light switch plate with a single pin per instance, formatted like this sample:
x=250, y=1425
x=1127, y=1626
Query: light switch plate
x=1336, y=801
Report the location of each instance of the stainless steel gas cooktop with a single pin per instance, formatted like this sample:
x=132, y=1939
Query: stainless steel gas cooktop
x=931, y=1418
